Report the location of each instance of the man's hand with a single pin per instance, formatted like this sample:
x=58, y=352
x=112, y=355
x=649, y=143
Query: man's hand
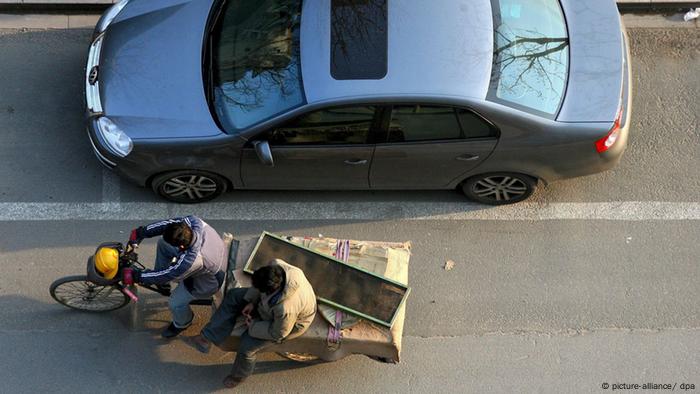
x=135, y=238
x=247, y=312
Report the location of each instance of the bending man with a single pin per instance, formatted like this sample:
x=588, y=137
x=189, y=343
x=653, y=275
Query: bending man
x=190, y=253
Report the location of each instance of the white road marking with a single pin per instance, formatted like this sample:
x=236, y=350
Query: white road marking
x=252, y=211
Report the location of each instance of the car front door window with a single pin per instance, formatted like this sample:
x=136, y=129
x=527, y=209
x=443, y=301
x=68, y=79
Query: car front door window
x=331, y=126
x=330, y=148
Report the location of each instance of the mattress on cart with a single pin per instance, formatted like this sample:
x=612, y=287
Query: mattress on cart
x=357, y=336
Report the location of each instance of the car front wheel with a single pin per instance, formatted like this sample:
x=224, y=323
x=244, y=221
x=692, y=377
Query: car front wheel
x=189, y=186
x=499, y=188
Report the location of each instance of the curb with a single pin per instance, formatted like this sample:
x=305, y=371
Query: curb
x=54, y=8
x=99, y=6
x=656, y=6
x=48, y=21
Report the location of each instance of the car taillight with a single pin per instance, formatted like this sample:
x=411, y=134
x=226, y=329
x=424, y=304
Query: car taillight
x=606, y=142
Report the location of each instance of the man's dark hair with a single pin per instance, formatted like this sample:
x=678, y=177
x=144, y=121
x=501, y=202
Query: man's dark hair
x=268, y=279
x=178, y=234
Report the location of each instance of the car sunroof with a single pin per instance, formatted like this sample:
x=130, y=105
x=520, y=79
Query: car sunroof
x=358, y=39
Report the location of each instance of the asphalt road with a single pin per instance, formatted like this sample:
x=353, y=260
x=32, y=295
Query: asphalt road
x=546, y=303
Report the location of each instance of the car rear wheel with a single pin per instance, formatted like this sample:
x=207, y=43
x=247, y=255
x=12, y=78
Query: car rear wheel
x=189, y=186
x=499, y=188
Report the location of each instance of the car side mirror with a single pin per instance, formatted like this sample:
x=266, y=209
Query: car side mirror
x=262, y=148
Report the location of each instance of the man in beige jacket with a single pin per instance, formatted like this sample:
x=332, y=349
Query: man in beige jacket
x=280, y=306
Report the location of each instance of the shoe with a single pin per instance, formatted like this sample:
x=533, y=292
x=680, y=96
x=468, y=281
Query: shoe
x=171, y=331
x=200, y=343
x=230, y=381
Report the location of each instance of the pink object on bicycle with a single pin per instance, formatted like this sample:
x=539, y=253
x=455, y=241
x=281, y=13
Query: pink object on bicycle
x=130, y=294
x=128, y=277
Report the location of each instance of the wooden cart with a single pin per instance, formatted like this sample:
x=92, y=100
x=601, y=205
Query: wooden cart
x=348, y=334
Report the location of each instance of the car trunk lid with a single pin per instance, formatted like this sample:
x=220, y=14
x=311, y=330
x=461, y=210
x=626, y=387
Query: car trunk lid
x=596, y=72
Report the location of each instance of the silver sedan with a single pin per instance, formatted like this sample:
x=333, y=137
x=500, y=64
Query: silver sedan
x=491, y=97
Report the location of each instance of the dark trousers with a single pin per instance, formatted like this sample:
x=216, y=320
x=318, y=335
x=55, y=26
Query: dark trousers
x=221, y=325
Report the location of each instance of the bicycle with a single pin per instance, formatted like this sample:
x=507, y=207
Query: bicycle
x=94, y=293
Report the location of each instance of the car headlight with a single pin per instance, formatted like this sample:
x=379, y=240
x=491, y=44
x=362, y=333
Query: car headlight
x=116, y=140
x=109, y=16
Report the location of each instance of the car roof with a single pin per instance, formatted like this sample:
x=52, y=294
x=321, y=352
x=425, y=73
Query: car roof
x=436, y=48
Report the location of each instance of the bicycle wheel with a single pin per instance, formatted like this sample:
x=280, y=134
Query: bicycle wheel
x=79, y=293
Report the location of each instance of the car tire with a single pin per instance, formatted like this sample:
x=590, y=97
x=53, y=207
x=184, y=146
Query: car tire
x=189, y=186
x=499, y=188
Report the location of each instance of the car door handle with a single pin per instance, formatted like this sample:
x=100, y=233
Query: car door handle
x=356, y=162
x=467, y=157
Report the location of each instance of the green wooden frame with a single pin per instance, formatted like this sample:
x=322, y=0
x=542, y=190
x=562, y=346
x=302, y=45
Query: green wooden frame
x=331, y=258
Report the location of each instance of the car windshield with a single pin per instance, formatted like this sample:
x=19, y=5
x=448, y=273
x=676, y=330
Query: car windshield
x=256, y=72
x=531, y=55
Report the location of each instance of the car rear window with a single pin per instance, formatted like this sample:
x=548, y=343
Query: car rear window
x=531, y=55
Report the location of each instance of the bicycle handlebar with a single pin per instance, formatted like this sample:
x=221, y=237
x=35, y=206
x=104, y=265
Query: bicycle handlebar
x=129, y=293
x=127, y=272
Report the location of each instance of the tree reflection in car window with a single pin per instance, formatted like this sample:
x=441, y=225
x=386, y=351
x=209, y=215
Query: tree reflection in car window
x=344, y=125
x=256, y=61
x=530, y=55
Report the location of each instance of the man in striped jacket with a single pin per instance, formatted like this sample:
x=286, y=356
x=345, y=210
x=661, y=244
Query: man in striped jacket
x=190, y=253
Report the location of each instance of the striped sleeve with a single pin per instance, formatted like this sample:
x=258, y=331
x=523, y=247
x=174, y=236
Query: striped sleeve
x=158, y=228
x=182, y=265
x=174, y=272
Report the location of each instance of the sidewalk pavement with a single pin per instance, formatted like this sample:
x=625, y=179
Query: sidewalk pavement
x=68, y=14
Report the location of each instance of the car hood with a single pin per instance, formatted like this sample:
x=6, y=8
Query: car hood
x=151, y=69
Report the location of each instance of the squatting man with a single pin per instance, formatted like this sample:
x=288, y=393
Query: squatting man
x=280, y=306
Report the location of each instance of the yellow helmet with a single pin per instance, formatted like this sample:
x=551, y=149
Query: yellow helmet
x=107, y=262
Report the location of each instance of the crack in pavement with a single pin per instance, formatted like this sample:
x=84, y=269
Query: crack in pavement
x=562, y=333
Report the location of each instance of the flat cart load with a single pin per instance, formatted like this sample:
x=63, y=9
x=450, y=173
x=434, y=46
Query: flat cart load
x=361, y=287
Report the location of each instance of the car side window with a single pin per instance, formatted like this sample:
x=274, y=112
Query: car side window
x=473, y=125
x=330, y=126
x=411, y=123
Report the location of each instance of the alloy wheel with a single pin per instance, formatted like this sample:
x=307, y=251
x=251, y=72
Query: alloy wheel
x=500, y=188
x=190, y=187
